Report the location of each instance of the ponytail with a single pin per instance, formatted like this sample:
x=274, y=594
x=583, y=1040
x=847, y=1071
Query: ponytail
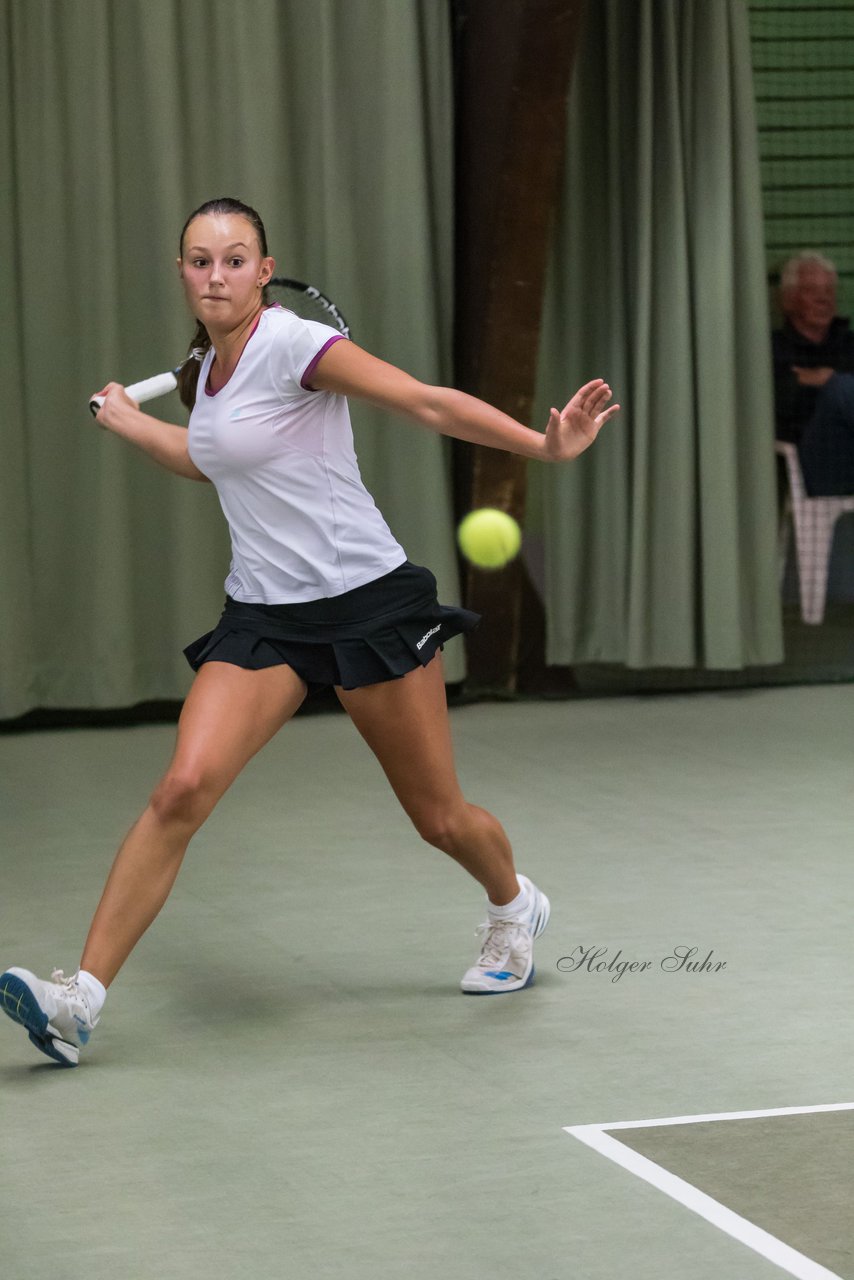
x=188, y=374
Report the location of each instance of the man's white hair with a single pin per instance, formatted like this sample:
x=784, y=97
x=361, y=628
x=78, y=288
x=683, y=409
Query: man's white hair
x=791, y=271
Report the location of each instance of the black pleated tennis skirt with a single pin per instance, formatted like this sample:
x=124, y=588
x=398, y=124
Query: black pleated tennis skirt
x=373, y=633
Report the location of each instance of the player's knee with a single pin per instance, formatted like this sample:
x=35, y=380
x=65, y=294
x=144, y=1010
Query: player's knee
x=183, y=797
x=440, y=827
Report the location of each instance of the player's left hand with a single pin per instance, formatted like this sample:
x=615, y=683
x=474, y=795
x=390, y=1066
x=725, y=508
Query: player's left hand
x=571, y=432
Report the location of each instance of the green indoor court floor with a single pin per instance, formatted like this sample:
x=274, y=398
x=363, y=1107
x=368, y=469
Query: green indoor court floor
x=286, y=1081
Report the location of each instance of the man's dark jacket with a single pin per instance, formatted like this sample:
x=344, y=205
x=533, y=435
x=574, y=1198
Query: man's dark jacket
x=794, y=404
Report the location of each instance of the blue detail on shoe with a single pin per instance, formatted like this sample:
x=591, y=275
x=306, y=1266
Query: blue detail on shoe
x=21, y=1005
x=503, y=975
x=18, y=1001
x=498, y=992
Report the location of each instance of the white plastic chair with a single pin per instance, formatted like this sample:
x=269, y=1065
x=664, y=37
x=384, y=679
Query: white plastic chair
x=814, y=520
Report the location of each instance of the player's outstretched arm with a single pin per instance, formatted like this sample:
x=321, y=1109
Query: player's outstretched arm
x=348, y=370
x=165, y=442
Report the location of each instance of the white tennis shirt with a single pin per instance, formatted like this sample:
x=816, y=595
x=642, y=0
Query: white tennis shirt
x=281, y=456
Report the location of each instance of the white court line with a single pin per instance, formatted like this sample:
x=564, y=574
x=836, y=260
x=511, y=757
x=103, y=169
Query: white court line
x=717, y=1115
x=762, y=1242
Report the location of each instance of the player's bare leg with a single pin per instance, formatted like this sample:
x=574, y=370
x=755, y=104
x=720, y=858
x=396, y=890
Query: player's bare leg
x=228, y=716
x=405, y=722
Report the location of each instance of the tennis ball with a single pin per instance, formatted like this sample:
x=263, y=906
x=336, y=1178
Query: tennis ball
x=489, y=538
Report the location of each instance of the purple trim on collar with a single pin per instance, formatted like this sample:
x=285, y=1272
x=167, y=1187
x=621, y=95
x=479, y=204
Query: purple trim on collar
x=208, y=391
x=304, y=380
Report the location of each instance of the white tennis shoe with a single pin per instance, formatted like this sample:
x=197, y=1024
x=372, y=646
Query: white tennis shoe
x=56, y=1013
x=506, y=960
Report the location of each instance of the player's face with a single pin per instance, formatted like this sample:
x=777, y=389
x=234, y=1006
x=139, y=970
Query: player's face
x=812, y=303
x=222, y=269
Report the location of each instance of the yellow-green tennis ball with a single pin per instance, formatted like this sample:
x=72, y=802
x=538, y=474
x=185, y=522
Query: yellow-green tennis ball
x=489, y=538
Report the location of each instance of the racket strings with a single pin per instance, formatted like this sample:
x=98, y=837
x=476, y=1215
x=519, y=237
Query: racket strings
x=307, y=302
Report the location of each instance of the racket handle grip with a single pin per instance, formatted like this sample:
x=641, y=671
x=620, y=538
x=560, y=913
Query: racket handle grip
x=148, y=389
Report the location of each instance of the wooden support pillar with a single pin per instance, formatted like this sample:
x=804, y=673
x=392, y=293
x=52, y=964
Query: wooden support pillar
x=513, y=61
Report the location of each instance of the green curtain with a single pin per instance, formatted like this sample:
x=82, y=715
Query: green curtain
x=119, y=117
x=660, y=542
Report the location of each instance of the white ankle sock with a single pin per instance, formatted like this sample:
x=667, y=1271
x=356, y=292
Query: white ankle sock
x=94, y=991
x=510, y=909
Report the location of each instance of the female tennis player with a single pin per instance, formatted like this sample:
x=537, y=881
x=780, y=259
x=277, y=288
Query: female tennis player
x=319, y=593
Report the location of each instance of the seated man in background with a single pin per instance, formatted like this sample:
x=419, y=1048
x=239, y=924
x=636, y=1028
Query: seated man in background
x=814, y=375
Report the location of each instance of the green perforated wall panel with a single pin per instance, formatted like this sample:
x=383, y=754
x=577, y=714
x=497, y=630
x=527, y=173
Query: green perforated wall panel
x=803, y=61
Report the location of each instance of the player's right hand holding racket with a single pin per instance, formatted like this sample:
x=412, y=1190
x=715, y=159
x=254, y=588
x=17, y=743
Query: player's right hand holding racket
x=149, y=389
x=165, y=442
x=109, y=402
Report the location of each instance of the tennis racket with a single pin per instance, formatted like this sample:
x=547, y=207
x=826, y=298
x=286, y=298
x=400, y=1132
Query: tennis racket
x=307, y=301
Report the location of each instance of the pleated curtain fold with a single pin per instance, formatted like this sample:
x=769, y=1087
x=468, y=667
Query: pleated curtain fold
x=660, y=543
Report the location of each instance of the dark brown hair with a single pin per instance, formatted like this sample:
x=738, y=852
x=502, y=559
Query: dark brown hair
x=200, y=342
